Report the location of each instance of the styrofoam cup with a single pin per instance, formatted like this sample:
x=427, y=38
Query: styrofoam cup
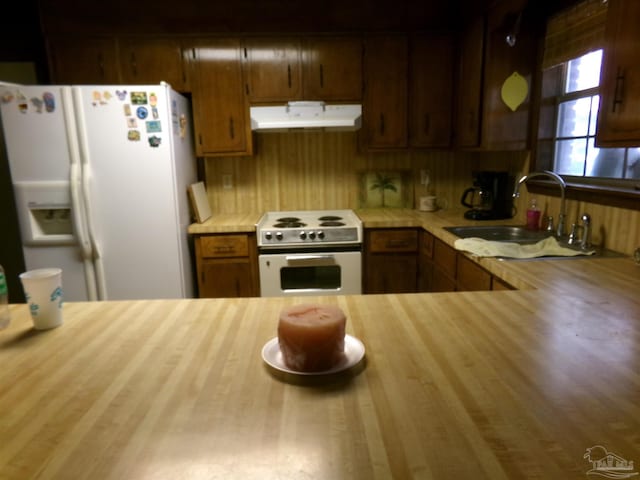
x=43, y=290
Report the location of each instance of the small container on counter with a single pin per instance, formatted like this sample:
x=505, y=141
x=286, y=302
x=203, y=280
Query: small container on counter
x=533, y=215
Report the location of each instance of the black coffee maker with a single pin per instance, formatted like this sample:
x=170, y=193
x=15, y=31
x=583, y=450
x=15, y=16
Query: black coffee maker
x=490, y=198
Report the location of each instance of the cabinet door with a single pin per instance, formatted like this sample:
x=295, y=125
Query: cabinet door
x=86, y=60
x=471, y=276
x=152, y=60
x=503, y=128
x=272, y=72
x=425, y=262
x=618, y=119
x=391, y=273
x=220, y=108
x=333, y=69
x=431, y=90
x=469, y=83
x=226, y=278
x=385, y=102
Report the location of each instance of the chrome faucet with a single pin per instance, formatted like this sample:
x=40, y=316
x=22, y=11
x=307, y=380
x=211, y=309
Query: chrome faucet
x=585, y=244
x=554, y=176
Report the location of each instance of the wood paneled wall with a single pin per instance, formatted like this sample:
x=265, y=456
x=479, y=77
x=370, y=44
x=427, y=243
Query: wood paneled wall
x=321, y=170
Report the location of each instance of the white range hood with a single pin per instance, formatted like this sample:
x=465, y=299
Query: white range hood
x=306, y=115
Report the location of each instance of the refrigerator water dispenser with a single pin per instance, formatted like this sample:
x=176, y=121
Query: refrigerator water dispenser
x=44, y=211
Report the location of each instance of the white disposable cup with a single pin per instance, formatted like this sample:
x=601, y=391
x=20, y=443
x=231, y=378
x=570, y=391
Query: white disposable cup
x=43, y=290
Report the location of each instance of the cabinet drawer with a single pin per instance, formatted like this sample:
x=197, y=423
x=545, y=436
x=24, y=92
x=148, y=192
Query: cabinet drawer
x=444, y=257
x=401, y=240
x=224, y=246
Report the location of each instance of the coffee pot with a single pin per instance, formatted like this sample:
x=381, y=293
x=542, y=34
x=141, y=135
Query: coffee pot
x=478, y=198
x=490, y=197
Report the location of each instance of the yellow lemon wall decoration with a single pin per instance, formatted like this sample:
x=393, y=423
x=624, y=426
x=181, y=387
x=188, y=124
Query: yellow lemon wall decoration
x=514, y=91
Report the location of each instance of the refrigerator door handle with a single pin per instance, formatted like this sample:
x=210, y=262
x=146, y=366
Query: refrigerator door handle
x=85, y=170
x=78, y=210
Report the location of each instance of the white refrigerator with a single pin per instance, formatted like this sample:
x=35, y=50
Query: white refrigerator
x=100, y=177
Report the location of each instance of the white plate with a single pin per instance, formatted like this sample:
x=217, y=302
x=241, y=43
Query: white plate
x=353, y=353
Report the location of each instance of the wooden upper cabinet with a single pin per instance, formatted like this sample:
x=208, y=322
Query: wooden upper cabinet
x=385, y=102
x=152, y=60
x=278, y=70
x=503, y=128
x=220, y=108
x=618, y=116
x=272, y=69
x=86, y=60
x=332, y=68
x=469, y=82
x=431, y=90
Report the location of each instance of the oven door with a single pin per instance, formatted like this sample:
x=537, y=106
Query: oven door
x=322, y=273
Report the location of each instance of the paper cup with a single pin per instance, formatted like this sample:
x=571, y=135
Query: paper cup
x=43, y=290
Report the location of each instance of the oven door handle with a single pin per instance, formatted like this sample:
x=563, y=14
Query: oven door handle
x=307, y=258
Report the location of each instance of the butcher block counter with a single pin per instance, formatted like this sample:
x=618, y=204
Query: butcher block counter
x=467, y=385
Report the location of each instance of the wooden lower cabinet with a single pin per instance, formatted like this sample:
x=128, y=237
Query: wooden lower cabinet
x=444, y=269
x=470, y=276
x=227, y=265
x=391, y=260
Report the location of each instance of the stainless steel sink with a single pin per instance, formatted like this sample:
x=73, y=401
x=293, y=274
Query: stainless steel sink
x=500, y=233
x=523, y=236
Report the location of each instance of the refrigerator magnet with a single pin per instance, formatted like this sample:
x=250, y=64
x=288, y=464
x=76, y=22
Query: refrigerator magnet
x=142, y=113
x=107, y=95
x=153, y=126
x=38, y=103
x=132, y=122
x=97, y=98
x=139, y=98
x=153, y=99
x=154, y=141
x=49, y=101
x=183, y=125
x=154, y=113
x=121, y=94
x=7, y=97
x=133, y=135
x=127, y=109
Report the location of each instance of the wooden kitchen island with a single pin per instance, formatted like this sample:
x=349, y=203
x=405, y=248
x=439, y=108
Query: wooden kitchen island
x=495, y=385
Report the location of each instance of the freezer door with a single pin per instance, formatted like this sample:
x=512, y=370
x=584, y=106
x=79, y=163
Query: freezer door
x=40, y=144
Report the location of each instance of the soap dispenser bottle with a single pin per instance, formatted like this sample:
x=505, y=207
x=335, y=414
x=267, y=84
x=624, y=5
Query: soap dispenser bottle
x=533, y=215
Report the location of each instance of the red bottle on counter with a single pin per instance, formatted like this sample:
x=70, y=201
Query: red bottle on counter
x=533, y=215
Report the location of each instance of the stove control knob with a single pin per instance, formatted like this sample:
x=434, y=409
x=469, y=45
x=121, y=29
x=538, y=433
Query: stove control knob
x=278, y=235
x=268, y=236
x=320, y=234
x=312, y=235
x=303, y=235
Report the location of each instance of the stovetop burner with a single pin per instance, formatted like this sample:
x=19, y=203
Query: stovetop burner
x=331, y=223
x=289, y=224
x=329, y=218
x=287, y=219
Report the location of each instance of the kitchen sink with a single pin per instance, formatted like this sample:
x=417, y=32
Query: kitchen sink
x=523, y=236
x=500, y=233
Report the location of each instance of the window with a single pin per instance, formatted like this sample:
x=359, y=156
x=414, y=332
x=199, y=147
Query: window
x=574, y=151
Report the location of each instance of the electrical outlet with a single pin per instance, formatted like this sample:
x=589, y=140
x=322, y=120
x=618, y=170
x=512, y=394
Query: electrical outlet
x=227, y=181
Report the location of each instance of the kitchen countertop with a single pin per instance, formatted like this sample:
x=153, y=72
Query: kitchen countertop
x=603, y=278
x=495, y=385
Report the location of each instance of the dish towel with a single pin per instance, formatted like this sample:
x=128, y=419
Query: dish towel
x=544, y=248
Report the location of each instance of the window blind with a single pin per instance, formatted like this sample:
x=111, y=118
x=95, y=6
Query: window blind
x=574, y=31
